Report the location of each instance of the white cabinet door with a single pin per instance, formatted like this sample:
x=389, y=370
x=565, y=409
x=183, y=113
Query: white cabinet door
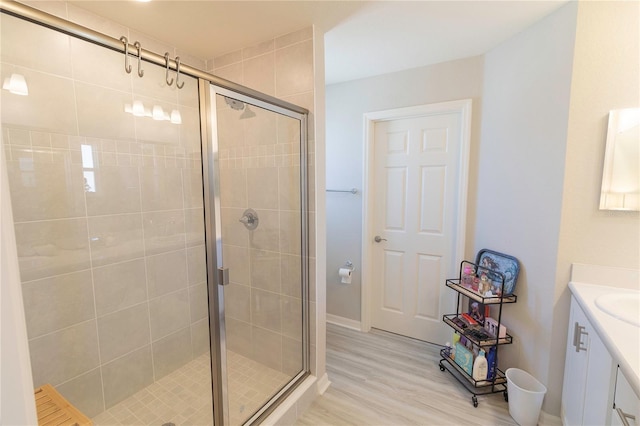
x=576, y=361
x=588, y=374
x=626, y=403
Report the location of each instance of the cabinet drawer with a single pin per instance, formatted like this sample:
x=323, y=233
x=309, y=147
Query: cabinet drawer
x=626, y=403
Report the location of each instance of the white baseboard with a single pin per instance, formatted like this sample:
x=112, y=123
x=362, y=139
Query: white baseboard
x=287, y=412
x=344, y=322
x=547, y=419
x=323, y=384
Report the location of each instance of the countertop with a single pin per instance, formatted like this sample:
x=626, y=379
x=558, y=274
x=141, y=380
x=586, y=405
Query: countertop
x=620, y=338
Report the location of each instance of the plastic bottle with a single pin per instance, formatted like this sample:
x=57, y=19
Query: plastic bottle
x=456, y=339
x=467, y=276
x=447, y=350
x=485, y=285
x=475, y=283
x=480, y=367
x=491, y=363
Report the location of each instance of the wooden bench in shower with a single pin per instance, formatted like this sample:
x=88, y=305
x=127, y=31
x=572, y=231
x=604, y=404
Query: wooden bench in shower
x=54, y=410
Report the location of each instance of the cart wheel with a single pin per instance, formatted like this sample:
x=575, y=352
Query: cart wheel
x=506, y=396
x=474, y=399
x=442, y=367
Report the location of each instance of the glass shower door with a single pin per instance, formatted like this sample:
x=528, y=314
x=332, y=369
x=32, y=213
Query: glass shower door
x=263, y=247
x=106, y=187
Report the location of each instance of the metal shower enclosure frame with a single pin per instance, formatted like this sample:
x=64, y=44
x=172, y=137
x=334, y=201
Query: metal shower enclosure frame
x=208, y=85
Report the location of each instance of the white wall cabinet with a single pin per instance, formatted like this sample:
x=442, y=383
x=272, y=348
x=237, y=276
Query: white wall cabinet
x=587, y=395
x=626, y=407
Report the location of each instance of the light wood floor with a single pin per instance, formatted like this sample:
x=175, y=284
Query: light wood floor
x=379, y=378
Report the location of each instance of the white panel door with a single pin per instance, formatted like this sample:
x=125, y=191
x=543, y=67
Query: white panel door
x=416, y=183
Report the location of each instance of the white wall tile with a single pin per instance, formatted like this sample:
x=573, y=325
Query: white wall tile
x=116, y=190
x=35, y=47
x=171, y=352
x=198, y=302
x=163, y=231
x=237, y=302
x=52, y=248
x=266, y=310
x=119, y=286
x=116, y=238
x=85, y=393
x=169, y=313
x=196, y=265
x=265, y=270
x=99, y=66
x=161, y=188
x=127, y=375
x=50, y=105
x=294, y=69
x=65, y=354
x=262, y=188
x=166, y=273
x=57, y=302
x=200, y=337
x=124, y=331
x=41, y=191
x=101, y=112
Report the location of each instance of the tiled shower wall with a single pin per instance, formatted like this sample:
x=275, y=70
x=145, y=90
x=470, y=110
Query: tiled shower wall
x=260, y=165
x=87, y=333
x=108, y=215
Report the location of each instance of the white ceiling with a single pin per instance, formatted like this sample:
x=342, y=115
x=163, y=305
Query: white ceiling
x=363, y=38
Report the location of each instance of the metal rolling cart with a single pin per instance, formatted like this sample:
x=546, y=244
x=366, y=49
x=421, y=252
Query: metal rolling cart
x=478, y=336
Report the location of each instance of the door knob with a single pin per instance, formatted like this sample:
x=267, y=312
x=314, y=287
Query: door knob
x=377, y=239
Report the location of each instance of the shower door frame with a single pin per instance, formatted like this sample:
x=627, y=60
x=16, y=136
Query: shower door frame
x=213, y=243
x=209, y=164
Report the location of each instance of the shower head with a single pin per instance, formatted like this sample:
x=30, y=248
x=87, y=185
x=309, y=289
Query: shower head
x=234, y=103
x=247, y=113
x=240, y=106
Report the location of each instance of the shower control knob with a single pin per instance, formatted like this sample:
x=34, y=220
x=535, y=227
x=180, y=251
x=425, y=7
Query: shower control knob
x=377, y=239
x=250, y=219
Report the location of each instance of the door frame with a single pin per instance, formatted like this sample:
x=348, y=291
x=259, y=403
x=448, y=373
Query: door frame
x=463, y=107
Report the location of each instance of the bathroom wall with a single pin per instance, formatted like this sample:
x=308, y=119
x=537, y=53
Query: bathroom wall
x=346, y=104
x=521, y=180
x=560, y=111
x=108, y=215
x=606, y=76
x=259, y=169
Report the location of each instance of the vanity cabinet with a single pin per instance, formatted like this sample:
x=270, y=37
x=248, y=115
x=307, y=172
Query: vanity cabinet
x=626, y=405
x=589, y=373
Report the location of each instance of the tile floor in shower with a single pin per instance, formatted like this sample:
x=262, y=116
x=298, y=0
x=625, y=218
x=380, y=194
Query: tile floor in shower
x=184, y=396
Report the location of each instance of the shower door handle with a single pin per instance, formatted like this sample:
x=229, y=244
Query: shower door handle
x=223, y=276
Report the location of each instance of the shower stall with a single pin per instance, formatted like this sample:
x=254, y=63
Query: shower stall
x=161, y=222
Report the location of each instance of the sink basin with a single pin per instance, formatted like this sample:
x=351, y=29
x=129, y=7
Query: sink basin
x=623, y=306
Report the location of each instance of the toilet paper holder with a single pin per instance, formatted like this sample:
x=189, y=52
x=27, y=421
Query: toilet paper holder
x=345, y=272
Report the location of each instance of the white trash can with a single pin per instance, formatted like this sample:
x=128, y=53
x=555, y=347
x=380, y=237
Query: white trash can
x=525, y=396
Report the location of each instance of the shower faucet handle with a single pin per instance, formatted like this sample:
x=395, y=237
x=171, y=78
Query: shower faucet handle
x=250, y=219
